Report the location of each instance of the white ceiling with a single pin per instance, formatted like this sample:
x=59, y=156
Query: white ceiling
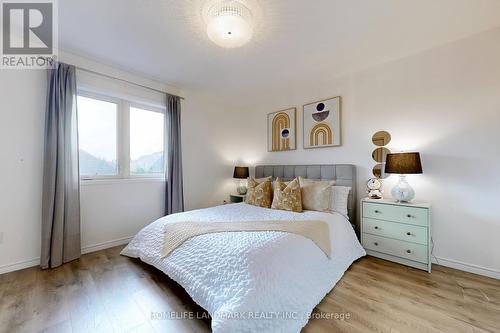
x=296, y=40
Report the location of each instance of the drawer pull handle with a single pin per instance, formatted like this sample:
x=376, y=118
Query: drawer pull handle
x=377, y=211
x=408, y=251
x=376, y=244
x=376, y=227
x=409, y=216
x=408, y=233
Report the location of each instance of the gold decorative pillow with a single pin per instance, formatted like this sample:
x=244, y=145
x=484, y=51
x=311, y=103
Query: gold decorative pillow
x=315, y=194
x=259, y=194
x=274, y=183
x=287, y=197
x=263, y=179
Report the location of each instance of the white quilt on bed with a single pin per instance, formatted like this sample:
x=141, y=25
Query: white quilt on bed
x=252, y=281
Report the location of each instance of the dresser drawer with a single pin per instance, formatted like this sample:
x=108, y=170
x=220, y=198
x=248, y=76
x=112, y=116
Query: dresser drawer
x=410, y=251
x=404, y=232
x=402, y=214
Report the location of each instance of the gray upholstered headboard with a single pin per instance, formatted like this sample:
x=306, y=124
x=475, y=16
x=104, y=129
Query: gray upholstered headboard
x=343, y=174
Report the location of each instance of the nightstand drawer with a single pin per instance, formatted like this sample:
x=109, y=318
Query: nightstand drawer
x=404, y=232
x=407, y=250
x=235, y=198
x=403, y=214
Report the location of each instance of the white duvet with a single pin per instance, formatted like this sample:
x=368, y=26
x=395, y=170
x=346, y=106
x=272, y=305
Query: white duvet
x=252, y=281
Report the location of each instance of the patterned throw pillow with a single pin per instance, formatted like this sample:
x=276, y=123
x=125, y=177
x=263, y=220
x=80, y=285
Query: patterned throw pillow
x=259, y=194
x=316, y=194
x=284, y=182
x=260, y=180
x=287, y=197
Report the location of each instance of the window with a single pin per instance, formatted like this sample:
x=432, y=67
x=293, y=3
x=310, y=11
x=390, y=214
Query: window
x=146, y=142
x=118, y=139
x=97, y=137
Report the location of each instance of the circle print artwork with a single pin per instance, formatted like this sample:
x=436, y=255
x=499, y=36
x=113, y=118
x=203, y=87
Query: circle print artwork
x=285, y=133
x=322, y=114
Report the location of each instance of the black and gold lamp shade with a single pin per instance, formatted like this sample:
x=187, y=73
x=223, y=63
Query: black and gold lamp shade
x=241, y=172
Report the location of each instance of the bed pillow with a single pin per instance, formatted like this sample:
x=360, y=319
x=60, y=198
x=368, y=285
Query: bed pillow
x=261, y=180
x=281, y=180
x=259, y=194
x=316, y=194
x=339, y=199
x=287, y=196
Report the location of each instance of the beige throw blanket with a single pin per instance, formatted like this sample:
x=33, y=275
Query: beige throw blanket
x=177, y=233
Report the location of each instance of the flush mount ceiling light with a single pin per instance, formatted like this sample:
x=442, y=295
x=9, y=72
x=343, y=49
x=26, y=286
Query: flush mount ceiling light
x=229, y=23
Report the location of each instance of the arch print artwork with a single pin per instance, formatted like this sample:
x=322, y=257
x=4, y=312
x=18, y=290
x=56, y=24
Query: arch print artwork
x=321, y=123
x=321, y=134
x=281, y=130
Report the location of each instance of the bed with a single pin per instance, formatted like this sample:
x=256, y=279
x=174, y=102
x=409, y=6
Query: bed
x=266, y=281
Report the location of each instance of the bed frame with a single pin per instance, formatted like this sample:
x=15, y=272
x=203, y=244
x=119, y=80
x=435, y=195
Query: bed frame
x=343, y=174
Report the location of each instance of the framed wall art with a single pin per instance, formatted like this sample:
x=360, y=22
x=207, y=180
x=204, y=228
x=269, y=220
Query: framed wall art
x=321, y=123
x=281, y=130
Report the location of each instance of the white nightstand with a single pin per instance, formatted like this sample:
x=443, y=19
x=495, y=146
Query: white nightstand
x=235, y=198
x=399, y=232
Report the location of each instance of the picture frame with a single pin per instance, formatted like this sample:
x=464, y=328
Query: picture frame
x=322, y=123
x=282, y=130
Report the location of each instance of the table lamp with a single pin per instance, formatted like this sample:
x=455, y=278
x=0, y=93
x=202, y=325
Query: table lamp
x=242, y=174
x=403, y=164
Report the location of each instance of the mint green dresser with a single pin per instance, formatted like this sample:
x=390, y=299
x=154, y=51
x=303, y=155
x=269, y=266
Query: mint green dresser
x=399, y=232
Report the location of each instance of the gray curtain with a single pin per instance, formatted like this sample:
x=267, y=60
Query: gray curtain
x=61, y=188
x=174, y=189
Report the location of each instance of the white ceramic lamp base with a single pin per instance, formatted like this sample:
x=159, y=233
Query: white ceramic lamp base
x=242, y=187
x=403, y=192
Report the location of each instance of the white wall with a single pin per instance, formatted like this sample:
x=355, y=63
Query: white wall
x=444, y=103
x=113, y=211
x=22, y=100
x=211, y=136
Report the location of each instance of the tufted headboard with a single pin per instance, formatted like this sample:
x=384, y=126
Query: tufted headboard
x=343, y=174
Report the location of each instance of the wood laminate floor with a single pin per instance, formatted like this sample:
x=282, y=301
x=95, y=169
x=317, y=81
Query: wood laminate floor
x=105, y=292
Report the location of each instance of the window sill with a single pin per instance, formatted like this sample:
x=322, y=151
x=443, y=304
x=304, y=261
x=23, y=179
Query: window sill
x=111, y=181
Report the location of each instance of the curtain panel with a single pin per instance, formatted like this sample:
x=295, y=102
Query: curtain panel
x=174, y=190
x=61, y=188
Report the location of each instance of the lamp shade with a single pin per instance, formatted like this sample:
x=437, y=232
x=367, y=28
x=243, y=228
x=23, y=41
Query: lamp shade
x=403, y=163
x=241, y=172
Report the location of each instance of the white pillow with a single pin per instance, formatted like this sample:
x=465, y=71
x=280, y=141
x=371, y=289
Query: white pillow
x=315, y=194
x=339, y=198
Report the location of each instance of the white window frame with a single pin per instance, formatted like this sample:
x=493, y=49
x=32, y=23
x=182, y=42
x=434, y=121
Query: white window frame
x=123, y=138
x=152, y=109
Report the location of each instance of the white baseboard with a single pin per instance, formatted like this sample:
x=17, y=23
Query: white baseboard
x=86, y=249
x=471, y=268
x=19, y=265
x=106, y=245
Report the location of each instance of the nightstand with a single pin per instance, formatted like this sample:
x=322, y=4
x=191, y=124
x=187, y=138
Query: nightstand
x=399, y=232
x=234, y=198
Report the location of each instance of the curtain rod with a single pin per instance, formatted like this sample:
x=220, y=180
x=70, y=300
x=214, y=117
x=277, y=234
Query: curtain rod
x=126, y=81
